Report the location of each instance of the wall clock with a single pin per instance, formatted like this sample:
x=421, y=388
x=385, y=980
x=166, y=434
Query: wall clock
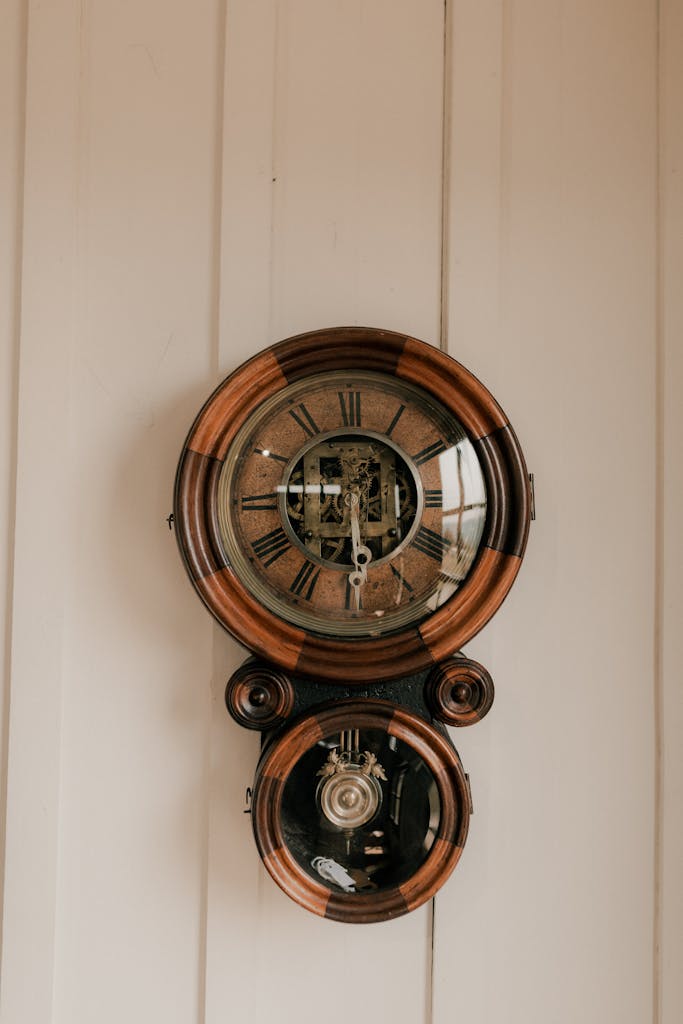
x=353, y=506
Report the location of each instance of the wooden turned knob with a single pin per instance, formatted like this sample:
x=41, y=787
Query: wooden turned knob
x=259, y=696
x=459, y=691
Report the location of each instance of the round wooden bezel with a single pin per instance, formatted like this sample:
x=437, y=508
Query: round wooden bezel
x=271, y=776
x=354, y=660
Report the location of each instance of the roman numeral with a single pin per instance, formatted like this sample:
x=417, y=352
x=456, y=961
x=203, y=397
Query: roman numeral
x=269, y=547
x=305, y=420
x=270, y=455
x=433, y=499
x=259, y=503
x=430, y=452
x=431, y=543
x=401, y=410
x=401, y=578
x=303, y=581
x=350, y=407
x=350, y=599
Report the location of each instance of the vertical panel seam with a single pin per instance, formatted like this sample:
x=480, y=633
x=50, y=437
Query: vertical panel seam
x=215, y=349
x=445, y=176
x=446, y=102
x=504, y=148
x=10, y=536
x=41, y=932
x=219, y=160
x=659, y=532
x=274, y=175
x=79, y=314
x=429, y=995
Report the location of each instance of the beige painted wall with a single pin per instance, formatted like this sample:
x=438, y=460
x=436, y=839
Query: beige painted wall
x=183, y=184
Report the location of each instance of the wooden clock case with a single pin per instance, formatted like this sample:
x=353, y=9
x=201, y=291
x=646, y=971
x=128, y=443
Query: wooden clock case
x=293, y=719
x=406, y=686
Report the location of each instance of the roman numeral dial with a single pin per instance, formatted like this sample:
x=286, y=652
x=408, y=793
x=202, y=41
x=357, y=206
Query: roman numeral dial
x=303, y=584
x=350, y=404
x=345, y=501
x=271, y=546
x=431, y=543
x=302, y=416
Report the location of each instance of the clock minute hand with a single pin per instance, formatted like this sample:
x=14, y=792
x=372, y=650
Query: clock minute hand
x=360, y=553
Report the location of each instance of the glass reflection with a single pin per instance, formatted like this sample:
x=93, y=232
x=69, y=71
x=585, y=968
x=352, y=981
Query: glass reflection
x=360, y=811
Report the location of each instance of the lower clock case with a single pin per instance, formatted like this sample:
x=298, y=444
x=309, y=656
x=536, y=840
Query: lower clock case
x=361, y=805
x=360, y=811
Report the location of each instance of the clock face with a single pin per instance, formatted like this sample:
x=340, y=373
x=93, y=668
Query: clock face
x=351, y=504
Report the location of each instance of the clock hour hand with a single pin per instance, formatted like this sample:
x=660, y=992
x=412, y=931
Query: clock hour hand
x=360, y=553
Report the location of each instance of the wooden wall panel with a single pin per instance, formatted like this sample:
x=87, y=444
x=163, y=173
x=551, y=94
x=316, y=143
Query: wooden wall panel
x=133, y=824
x=198, y=182
x=670, y=549
x=111, y=652
x=331, y=215
x=12, y=79
x=552, y=274
x=40, y=565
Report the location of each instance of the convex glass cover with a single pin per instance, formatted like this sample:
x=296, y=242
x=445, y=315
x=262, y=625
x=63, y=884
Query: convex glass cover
x=351, y=504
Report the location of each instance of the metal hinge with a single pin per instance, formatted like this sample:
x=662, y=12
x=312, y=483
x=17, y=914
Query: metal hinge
x=533, y=496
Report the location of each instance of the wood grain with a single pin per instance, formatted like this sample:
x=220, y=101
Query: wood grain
x=472, y=606
x=459, y=390
x=503, y=467
x=508, y=492
x=258, y=696
x=459, y=691
x=279, y=760
x=229, y=406
x=339, y=348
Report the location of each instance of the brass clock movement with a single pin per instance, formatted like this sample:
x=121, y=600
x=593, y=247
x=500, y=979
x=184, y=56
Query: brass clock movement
x=353, y=506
